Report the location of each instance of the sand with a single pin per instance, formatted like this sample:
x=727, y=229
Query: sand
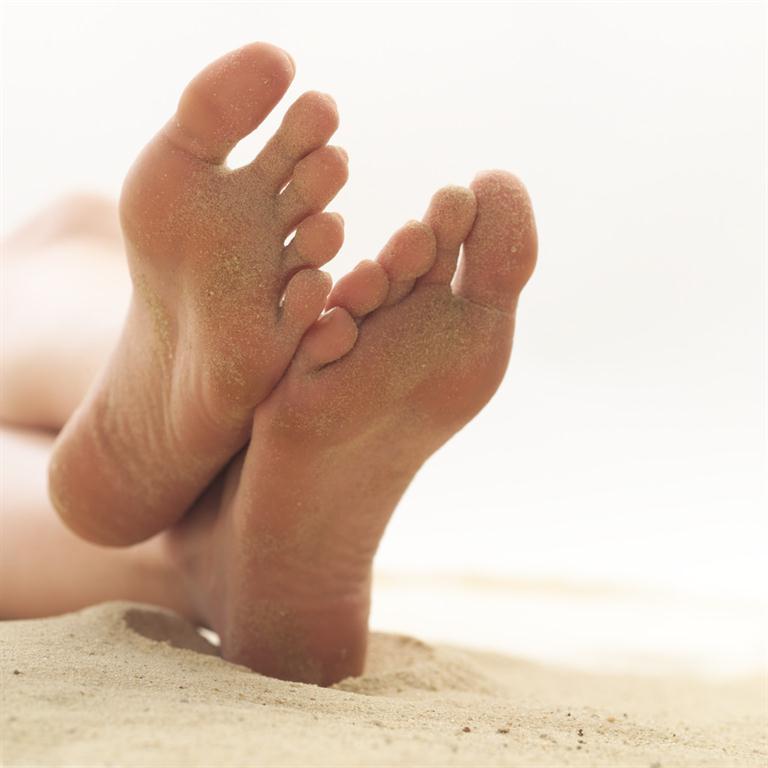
x=129, y=685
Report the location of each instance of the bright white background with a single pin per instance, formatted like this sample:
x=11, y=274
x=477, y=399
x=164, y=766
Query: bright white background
x=626, y=447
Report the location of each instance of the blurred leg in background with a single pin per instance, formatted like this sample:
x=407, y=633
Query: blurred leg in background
x=65, y=289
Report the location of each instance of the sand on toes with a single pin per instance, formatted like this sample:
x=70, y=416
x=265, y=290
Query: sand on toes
x=220, y=302
x=406, y=355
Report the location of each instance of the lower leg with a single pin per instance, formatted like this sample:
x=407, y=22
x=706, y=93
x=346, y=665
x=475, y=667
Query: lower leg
x=64, y=293
x=57, y=333
x=45, y=569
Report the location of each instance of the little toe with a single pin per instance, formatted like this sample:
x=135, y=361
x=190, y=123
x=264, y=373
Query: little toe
x=450, y=215
x=408, y=254
x=316, y=181
x=308, y=125
x=317, y=240
x=362, y=290
x=500, y=251
x=329, y=338
x=303, y=301
x=229, y=99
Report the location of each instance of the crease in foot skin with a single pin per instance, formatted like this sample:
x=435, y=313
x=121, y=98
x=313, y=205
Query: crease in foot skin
x=220, y=302
x=411, y=347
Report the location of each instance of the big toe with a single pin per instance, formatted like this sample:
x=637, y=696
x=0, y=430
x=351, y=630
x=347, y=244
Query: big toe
x=229, y=99
x=500, y=252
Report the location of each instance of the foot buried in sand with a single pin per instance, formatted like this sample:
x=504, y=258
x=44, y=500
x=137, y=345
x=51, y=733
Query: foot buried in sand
x=219, y=305
x=279, y=550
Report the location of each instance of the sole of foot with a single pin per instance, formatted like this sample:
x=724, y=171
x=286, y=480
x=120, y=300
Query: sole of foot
x=220, y=300
x=410, y=349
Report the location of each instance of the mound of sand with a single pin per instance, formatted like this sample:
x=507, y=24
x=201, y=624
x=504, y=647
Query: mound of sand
x=130, y=685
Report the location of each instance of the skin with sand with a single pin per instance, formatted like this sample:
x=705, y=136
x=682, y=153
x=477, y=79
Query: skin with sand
x=334, y=447
x=219, y=303
x=276, y=553
x=233, y=337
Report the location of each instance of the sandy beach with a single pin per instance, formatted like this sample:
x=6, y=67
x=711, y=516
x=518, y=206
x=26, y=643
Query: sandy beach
x=130, y=685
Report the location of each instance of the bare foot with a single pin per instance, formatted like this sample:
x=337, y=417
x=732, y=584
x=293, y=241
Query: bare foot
x=280, y=550
x=219, y=303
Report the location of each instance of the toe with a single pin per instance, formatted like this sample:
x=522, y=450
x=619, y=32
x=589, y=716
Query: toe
x=408, y=254
x=316, y=181
x=329, y=338
x=362, y=290
x=450, y=215
x=229, y=99
x=307, y=126
x=303, y=301
x=500, y=252
x=317, y=240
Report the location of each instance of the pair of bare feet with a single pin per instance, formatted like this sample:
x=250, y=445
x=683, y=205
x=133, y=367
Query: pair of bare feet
x=267, y=423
